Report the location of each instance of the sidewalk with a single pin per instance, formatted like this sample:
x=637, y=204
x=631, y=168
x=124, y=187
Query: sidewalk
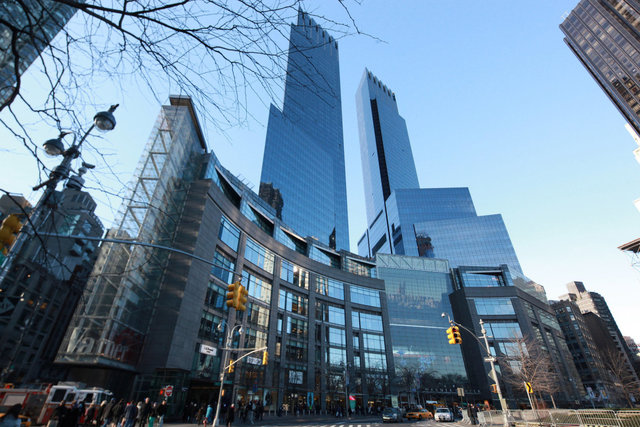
x=296, y=420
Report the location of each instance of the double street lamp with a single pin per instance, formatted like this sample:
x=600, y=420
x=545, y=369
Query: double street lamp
x=104, y=121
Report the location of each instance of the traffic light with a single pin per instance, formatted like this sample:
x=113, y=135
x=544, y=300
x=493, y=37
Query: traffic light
x=232, y=292
x=231, y=366
x=453, y=335
x=457, y=338
x=237, y=296
x=265, y=357
x=242, y=298
x=8, y=231
x=494, y=388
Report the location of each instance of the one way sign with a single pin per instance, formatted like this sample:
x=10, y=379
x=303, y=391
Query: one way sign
x=6, y=307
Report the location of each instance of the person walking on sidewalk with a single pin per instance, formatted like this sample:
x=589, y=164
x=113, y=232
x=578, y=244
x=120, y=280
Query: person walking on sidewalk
x=162, y=411
x=231, y=413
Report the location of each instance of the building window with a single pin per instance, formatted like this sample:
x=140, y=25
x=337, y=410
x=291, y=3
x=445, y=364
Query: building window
x=293, y=303
x=503, y=330
x=216, y=296
x=330, y=313
x=364, y=296
x=373, y=342
x=223, y=268
x=493, y=306
x=229, y=233
x=259, y=256
x=336, y=337
x=257, y=288
x=329, y=287
x=366, y=321
x=294, y=274
x=482, y=280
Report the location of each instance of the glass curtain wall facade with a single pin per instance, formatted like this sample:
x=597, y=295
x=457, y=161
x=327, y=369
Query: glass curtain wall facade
x=427, y=366
x=605, y=36
x=385, y=149
x=303, y=171
x=443, y=223
x=162, y=318
x=37, y=22
x=110, y=324
x=512, y=319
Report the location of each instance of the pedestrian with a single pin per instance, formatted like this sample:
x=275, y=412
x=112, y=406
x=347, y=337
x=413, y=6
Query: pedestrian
x=12, y=417
x=90, y=414
x=153, y=413
x=231, y=413
x=100, y=413
x=57, y=415
x=130, y=414
x=117, y=413
x=144, y=408
x=162, y=411
x=72, y=416
x=209, y=414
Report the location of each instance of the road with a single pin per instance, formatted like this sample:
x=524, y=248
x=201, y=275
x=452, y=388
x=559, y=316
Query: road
x=362, y=422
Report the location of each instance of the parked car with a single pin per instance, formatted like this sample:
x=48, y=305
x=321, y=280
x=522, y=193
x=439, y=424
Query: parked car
x=419, y=414
x=443, y=414
x=392, y=415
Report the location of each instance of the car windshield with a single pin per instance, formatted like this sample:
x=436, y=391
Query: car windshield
x=442, y=410
x=389, y=411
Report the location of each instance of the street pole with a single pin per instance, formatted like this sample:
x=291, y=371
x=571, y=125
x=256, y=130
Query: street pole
x=104, y=120
x=491, y=360
x=223, y=367
x=346, y=391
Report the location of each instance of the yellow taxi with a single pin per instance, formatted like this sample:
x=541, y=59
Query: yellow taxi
x=419, y=414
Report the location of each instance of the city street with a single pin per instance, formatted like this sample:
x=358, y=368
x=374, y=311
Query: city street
x=327, y=422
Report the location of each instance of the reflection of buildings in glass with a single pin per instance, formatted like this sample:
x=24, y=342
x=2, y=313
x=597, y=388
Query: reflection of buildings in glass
x=315, y=317
x=417, y=294
x=428, y=222
x=304, y=148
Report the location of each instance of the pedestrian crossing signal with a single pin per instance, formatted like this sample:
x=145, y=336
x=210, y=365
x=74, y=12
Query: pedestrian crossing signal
x=494, y=388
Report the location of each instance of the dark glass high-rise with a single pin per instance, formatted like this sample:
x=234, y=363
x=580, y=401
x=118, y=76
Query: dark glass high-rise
x=303, y=160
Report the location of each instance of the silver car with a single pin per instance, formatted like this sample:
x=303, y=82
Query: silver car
x=443, y=414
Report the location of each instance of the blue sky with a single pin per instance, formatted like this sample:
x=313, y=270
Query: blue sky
x=493, y=100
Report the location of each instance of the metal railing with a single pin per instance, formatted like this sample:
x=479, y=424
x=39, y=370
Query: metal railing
x=562, y=418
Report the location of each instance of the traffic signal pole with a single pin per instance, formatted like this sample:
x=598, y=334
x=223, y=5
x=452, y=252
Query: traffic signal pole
x=490, y=359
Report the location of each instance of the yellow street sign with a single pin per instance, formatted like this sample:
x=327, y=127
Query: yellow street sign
x=529, y=388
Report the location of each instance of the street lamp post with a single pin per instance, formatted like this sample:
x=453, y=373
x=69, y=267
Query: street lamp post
x=223, y=363
x=104, y=121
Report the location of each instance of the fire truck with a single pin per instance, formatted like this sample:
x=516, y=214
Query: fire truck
x=39, y=403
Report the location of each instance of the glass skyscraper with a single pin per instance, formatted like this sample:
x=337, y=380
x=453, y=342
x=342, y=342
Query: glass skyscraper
x=303, y=172
x=404, y=219
x=385, y=149
x=36, y=23
x=603, y=34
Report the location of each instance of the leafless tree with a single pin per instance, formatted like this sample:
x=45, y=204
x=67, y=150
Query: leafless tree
x=526, y=361
x=622, y=379
x=219, y=52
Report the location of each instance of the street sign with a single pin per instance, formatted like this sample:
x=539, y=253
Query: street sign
x=528, y=386
x=461, y=391
x=254, y=360
x=489, y=359
x=168, y=390
x=207, y=349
